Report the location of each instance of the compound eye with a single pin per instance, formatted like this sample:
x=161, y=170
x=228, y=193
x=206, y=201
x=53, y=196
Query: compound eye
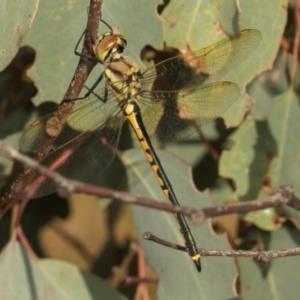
x=107, y=43
x=121, y=40
x=104, y=47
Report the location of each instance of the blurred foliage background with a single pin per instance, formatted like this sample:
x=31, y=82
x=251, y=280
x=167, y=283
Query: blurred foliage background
x=255, y=150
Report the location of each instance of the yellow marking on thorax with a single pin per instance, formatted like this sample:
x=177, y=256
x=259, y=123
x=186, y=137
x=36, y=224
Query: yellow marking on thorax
x=118, y=74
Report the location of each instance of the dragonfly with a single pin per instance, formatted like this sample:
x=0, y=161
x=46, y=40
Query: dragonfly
x=163, y=104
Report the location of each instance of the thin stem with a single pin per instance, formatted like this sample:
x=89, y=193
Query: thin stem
x=283, y=196
x=263, y=256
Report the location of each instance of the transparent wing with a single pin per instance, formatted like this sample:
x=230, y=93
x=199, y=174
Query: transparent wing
x=172, y=116
x=86, y=139
x=203, y=66
x=88, y=115
x=180, y=94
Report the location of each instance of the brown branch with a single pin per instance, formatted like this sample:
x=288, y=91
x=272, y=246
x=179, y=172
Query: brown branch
x=130, y=280
x=23, y=240
x=81, y=73
x=120, y=272
x=66, y=186
x=296, y=43
x=263, y=256
x=284, y=196
x=85, y=66
x=142, y=291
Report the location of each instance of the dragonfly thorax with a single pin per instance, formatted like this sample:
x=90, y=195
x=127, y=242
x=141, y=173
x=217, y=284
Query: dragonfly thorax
x=123, y=79
x=123, y=75
x=109, y=47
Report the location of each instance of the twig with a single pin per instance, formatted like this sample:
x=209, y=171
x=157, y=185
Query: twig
x=284, y=196
x=263, y=256
x=23, y=240
x=66, y=186
x=142, y=291
x=130, y=280
x=85, y=66
x=120, y=272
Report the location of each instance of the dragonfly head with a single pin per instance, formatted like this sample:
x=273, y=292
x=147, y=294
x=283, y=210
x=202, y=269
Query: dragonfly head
x=109, y=47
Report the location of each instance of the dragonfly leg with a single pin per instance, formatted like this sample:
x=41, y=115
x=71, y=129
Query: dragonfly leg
x=90, y=91
x=90, y=57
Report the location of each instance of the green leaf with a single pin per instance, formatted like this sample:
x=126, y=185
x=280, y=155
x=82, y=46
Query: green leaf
x=175, y=268
x=273, y=280
x=267, y=85
x=266, y=152
x=222, y=192
x=22, y=277
x=284, y=125
x=264, y=104
x=199, y=24
x=246, y=163
x=16, y=18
